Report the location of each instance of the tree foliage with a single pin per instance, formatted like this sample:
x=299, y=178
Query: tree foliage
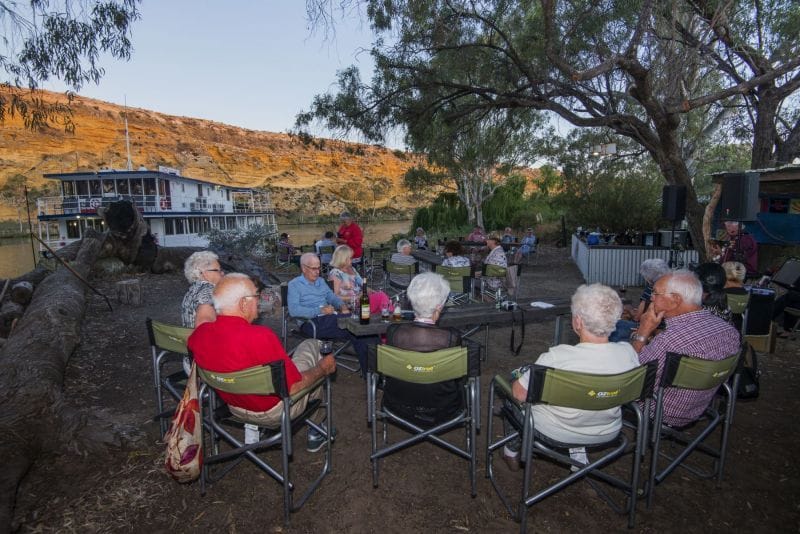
x=667, y=74
x=62, y=39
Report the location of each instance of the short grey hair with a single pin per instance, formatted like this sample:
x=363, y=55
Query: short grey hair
x=653, y=269
x=226, y=296
x=402, y=244
x=426, y=292
x=686, y=284
x=599, y=307
x=197, y=263
x=307, y=256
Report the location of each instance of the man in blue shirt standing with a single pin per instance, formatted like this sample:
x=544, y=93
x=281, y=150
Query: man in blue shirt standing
x=312, y=300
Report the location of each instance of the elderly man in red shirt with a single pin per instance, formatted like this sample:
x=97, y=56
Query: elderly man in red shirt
x=232, y=343
x=350, y=234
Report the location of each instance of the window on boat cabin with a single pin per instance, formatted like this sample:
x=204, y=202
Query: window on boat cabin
x=169, y=227
x=136, y=186
x=73, y=230
x=215, y=222
x=163, y=187
x=228, y=195
x=94, y=187
x=82, y=188
x=180, y=226
x=205, y=224
x=68, y=188
x=199, y=190
x=122, y=187
x=230, y=222
x=149, y=186
x=108, y=187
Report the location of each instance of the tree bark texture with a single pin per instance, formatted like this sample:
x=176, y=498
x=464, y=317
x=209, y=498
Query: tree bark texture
x=32, y=365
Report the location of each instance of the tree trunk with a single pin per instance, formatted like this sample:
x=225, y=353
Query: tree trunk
x=32, y=365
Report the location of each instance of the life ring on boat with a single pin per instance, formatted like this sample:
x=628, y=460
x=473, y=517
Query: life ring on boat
x=164, y=204
x=95, y=203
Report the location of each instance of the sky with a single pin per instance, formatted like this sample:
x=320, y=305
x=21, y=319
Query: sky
x=248, y=63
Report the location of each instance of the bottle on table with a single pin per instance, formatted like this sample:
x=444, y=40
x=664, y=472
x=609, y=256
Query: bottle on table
x=364, y=305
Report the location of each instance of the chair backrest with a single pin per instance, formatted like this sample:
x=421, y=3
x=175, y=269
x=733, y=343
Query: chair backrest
x=494, y=271
x=267, y=379
x=326, y=250
x=737, y=301
x=397, y=268
x=458, y=277
x=589, y=391
x=421, y=367
x=283, y=253
x=690, y=372
x=168, y=337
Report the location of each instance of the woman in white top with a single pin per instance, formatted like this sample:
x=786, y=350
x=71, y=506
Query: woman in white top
x=595, y=311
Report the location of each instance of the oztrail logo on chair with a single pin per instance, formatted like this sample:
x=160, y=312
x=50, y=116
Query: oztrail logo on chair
x=603, y=394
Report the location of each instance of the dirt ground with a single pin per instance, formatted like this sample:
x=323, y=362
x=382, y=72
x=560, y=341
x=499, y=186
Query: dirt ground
x=422, y=489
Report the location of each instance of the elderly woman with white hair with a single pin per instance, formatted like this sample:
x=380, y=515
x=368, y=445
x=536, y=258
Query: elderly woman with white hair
x=203, y=272
x=402, y=257
x=595, y=311
x=429, y=404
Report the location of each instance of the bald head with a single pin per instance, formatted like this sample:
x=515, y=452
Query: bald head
x=236, y=295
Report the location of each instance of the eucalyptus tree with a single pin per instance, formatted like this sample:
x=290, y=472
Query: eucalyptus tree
x=63, y=39
x=639, y=68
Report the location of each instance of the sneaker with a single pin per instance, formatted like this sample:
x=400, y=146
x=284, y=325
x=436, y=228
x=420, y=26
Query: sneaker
x=317, y=440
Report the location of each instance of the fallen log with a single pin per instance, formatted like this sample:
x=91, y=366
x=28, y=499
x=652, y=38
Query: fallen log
x=33, y=416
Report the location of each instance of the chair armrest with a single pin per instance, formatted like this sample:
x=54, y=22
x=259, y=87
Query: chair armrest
x=297, y=395
x=503, y=387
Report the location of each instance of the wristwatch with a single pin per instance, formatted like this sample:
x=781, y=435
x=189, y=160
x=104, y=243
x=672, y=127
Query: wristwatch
x=639, y=338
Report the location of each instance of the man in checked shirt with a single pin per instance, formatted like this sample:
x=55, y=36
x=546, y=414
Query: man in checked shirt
x=690, y=330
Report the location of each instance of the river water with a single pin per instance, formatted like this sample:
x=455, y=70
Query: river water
x=16, y=257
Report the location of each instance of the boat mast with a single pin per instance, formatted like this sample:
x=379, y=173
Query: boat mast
x=127, y=137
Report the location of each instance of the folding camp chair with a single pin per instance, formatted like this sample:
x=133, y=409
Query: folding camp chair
x=167, y=343
x=687, y=372
x=581, y=391
x=326, y=265
x=460, y=280
x=507, y=277
x=374, y=263
x=425, y=368
x=392, y=288
x=291, y=326
x=218, y=427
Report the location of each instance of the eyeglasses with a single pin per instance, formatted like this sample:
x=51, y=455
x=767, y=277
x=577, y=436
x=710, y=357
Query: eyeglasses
x=214, y=271
x=664, y=293
x=311, y=268
x=251, y=296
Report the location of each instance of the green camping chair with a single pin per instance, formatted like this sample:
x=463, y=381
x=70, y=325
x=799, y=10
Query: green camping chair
x=392, y=288
x=582, y=391
x=217, y=428
x=687, y=372
x=424, y=368
x=167, y=344
x=460, y=280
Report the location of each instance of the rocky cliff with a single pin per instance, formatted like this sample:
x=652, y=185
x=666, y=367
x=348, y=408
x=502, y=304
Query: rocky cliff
x=308, y=175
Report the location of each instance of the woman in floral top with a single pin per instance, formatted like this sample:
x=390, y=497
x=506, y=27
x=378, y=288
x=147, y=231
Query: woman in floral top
x=497, y=256
x=347, y=283
x=203, y=272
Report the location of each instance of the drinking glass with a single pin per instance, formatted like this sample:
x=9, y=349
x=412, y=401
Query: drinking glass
x=385, y=312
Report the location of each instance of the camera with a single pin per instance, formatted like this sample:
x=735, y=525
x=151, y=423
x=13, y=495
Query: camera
x=508, y=305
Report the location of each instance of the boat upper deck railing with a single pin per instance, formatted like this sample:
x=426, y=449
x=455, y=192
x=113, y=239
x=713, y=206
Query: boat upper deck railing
x=88, y=204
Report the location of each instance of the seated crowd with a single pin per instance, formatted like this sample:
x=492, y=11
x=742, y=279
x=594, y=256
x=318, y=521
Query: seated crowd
x=681, y=312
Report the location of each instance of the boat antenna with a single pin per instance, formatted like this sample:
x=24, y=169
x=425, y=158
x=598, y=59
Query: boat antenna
x=127, y=137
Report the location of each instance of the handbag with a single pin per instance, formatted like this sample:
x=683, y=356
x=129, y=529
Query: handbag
x=184, y=440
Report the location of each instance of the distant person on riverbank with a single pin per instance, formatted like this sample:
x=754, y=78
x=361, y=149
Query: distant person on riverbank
x=347, y=283
x=402, y=257
x=350, y=234
x=477, y=235
x=285, y=248
x=326, y=241
x=454, y=255
x=232, y=343
x=527, y=246
x=421, y=240
x=203, y=272
x=508, y=236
